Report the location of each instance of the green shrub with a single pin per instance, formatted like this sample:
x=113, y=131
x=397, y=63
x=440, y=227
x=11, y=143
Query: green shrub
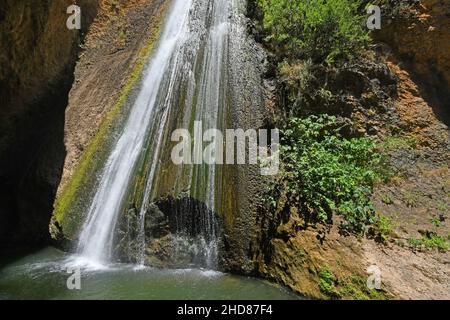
x=325, y=173
x=387, y=199
x=355, y=287
x=443, y=207
x=323, y=30
x=327, y=282
x=350, y=287
x=436, y=222
x=431, y=241
x=384, y=227
x=410, y=198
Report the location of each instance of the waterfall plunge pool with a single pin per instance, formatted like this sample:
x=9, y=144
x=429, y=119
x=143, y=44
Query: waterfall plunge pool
x=43, y=275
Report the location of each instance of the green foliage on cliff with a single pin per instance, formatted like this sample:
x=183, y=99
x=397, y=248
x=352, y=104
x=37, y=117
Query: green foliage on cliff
x=323, y=30
x=431, y=241
x=384, y=227
x=327, y=282
x=325, y=173
x=352, y=287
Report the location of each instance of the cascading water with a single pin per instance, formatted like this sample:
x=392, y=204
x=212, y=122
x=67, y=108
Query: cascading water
x=186, y=82
x=96, y=238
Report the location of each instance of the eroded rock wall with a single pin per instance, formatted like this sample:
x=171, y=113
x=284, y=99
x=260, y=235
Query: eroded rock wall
x=409, y=103
x=420, y=39
x=107, y=73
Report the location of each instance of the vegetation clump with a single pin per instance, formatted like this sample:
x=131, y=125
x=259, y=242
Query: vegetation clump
x=327, y=282
x=321, y=30
x=352, y=287
x=383, y=228
x=431, y=241
x=324, y=172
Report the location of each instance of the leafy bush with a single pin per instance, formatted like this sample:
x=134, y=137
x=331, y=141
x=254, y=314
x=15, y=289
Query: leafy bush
x=431, y=241
x=327, y=282
x=349, y=287
x=322, y=30
x=355, y=287
x=387, y=199
x=436, y=222
x=301, y=88
x=384, y=227
x=325, y=173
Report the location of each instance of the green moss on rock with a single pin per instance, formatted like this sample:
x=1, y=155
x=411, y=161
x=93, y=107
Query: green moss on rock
x=351, y=287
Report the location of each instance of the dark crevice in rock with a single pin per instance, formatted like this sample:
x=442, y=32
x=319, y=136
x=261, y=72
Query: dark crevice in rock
x=189, y=216
x=31, y=169
x=34, y=91
x=434, y=89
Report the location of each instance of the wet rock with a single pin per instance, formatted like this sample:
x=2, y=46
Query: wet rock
x=178, y=233
x=157, y=224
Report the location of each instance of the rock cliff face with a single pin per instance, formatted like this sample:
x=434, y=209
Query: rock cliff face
x=420, y=38
x=50, y=108
x=37, y=61
x=411, y=114
x=113, y=47
x=114, y=53
x=107, y=78
x=61, y=93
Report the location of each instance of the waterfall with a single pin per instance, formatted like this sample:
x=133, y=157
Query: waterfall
x=186, y=81
x=97, y=234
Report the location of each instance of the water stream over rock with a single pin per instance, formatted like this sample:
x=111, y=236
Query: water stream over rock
x=146, y=210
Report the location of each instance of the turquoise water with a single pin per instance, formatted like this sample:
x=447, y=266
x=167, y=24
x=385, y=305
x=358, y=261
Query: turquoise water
x=43, y=275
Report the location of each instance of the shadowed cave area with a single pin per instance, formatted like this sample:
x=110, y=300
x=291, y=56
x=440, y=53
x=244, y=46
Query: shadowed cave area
x=32, y=168
x=38, y=60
